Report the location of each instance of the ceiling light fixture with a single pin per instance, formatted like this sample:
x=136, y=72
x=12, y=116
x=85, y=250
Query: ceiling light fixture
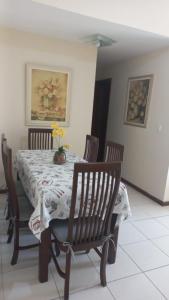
x=99, y=40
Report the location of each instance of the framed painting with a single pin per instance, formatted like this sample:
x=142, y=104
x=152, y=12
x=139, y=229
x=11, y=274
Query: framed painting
x=48, y=95
x=138, y=100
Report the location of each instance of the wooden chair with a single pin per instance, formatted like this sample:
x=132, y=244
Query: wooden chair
x=113, y=152
x=95, y=186
x=3, y=139
x=20, y=207
x=19, y=188
x=91, y=148
x=40, y=138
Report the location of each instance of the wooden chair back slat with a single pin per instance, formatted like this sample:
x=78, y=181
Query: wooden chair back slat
x=113, y=152
x=92, y=230
x=77, y=233
x=104, y=202
x=96, y=186
x=3, y=143
x=88, y=220
x=91, y=148
x=82, y=227
x=40, y=139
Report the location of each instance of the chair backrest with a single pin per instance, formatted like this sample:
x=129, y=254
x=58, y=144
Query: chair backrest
x=91, y=148
x=3, y=142
x=40, y=138
x=14, y=206
x=113, y=152
x=95, y=187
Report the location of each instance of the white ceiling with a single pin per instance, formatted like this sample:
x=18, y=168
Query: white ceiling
x=38, y=18
x=147, y=15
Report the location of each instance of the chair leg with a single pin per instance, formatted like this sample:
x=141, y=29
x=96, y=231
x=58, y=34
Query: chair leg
x=16, y=244
x=67, y=278
x=10, y=232
x=103, y=264
x=8, y=211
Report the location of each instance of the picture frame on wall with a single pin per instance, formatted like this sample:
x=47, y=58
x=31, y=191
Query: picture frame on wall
x=138, y=100
x=47, y=95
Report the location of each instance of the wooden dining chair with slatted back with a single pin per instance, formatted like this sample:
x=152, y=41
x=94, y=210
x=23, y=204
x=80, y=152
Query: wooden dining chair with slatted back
x=94, y=190
x=113, y=152
x=40, y=139
x=20, y=207
x=3, y=139
x=19, y=189
x=91, y=148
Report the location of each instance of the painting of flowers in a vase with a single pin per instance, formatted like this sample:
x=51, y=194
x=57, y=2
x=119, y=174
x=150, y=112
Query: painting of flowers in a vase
x=48, y=96
x=138, y=100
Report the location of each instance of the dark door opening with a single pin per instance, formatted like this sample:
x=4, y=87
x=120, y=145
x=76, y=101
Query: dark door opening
x=100, y=113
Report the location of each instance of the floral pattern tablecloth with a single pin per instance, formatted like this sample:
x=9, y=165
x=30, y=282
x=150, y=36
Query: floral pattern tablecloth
x=49, y=187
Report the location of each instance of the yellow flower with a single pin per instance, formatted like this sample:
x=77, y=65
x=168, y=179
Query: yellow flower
x=54, y=133
x=61, y=132
x=54, y=125
x=66, y=146
x=58, y=133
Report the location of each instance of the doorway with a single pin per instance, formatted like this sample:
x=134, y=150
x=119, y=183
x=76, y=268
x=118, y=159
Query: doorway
x=100, y=113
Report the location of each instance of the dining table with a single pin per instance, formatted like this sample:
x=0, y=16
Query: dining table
x=48, y=187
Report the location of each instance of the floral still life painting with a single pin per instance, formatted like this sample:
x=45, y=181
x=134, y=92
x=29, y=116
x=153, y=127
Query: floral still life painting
x=138, y=99
x=47, y=95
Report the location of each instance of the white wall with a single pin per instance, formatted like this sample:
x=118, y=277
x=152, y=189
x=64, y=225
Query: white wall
x=146, y=157
x=151, y=15
x=19, y=48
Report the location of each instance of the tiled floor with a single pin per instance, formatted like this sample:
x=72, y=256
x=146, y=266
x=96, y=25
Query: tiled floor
x=141, y=271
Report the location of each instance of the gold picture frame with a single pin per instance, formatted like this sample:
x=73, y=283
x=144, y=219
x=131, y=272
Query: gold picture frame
x=47, y=95
x=138, y=100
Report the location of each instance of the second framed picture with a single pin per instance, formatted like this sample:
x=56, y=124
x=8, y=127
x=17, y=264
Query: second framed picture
x=48, y=95
x=138, y=100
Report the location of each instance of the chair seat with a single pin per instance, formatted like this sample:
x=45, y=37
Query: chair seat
x=60, y=229
x=25, y=208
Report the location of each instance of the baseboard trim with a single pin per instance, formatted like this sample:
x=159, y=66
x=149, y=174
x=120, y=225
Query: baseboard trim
x=138, y=189
x=3, y=191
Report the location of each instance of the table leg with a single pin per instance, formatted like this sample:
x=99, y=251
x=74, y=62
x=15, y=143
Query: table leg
x=44, y=255
x=113, y=246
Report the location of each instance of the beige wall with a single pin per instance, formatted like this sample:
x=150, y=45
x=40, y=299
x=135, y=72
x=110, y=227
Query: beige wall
x=146, y=158
x=17, y=49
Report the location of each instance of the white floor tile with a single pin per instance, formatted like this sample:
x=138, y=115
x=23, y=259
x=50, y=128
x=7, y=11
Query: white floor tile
x=129, y=234
x=124, y=278
x=164, y=220
x=151, y=228
x=160, y=278
x=146, y=255
x=1, y=287
x=136, y=287
x=138, y=213
x=98, y=292
x=163, y=244
x=137, y=199
x=27, y=258
x=83, y=274
x=123, y=266
x=24, y=284
x=156, y=210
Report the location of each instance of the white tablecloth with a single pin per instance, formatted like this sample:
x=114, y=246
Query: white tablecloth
x=49, y=187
